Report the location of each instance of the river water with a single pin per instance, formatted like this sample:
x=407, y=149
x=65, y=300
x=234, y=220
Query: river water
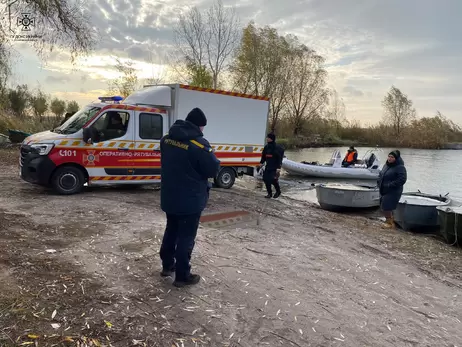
x=430, y=171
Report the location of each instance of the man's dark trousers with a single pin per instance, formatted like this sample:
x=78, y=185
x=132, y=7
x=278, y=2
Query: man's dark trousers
x=178, y=244
x=269, y=177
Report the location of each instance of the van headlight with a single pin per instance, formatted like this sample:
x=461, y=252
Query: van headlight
x=42, y=148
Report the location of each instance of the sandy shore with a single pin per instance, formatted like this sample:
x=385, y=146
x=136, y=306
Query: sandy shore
x=85, y=267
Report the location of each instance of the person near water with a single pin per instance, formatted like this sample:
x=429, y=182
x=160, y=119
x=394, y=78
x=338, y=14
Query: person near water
x=391, y=180
x=187, y=163
x=272, y=154
x=351, y=157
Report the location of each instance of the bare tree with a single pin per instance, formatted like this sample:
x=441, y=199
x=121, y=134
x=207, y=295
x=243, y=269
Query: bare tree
x=308, y=94
x=398, y=110
x=55, y=23
x=128, y=82
x=222, y=37
x=336, y=107
x=335, y=112
x=279, y=94
x=206, y=40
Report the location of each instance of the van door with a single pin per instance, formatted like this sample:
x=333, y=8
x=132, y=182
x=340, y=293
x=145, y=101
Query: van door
x=150, y=128
x=111, y=156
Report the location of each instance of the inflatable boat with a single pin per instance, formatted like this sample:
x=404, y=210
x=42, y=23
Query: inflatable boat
x=366, y=169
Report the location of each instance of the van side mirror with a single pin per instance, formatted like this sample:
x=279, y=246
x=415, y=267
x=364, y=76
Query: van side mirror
x=90, y=133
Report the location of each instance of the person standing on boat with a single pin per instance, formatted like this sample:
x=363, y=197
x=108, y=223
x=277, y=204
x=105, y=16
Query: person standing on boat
x=351, y=157
x=391, y=181
x=272, y=155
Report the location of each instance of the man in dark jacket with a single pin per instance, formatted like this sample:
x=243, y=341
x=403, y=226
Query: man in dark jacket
x=391, y=181
x=187, y=162
x=272, y=155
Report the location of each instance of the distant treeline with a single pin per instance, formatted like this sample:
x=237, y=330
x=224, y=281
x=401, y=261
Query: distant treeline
x=428, y=133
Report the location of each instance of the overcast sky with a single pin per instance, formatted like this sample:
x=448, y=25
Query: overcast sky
x=369, y=45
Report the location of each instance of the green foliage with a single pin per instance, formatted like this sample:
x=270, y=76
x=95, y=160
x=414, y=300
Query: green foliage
x=29, y=111
x=281, y=68
x=39, y=104
x=18, y=100
x=200, y=76
x=73, y=107
x=57, y=107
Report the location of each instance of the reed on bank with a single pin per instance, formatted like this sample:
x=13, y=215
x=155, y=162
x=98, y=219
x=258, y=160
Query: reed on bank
x=425, y=133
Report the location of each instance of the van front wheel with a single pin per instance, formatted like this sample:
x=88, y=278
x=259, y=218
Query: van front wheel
x=225, y=178
x=68, y=180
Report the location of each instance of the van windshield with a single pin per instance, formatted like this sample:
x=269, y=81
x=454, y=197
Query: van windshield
x=77, y=121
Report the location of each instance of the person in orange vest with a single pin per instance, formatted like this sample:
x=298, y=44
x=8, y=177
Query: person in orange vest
x=351, y=157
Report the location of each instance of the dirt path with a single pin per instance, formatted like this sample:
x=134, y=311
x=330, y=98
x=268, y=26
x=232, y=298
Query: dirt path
x=86, y=267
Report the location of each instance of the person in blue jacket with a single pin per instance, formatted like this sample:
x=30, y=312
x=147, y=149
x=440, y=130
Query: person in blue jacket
x=187, y=162
x=391, y=181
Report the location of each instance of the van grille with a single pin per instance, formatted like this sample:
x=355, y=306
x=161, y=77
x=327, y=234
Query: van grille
x=24, y=152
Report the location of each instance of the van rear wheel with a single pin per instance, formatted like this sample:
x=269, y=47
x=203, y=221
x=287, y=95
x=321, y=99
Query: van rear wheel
x=68, y=180
x=225, y=178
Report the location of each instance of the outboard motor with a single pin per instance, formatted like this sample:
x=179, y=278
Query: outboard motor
x=371, y=161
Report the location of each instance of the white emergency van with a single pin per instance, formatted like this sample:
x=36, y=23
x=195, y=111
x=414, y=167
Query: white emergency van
x=125, y=146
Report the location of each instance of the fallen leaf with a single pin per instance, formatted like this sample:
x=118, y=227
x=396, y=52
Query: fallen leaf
x=32, y=336
x=108, y=324
x=55, y=325
x=53, y=315
x=27, y=343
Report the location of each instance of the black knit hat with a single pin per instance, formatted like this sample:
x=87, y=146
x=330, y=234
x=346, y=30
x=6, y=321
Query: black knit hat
x=271, y=136
x=395, y=153
x=197, y=117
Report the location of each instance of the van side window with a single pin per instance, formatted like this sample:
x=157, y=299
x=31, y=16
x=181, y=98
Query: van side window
x=151, y=126
x=112, y=125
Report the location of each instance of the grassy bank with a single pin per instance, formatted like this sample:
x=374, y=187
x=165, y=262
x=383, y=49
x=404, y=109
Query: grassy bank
x=424, y=133
x=27, y=124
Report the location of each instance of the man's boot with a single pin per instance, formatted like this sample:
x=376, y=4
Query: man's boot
x=189, y=281
x=389, y=223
